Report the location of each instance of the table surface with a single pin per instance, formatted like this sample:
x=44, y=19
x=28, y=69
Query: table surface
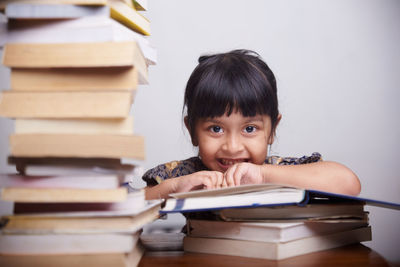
x=353, y=255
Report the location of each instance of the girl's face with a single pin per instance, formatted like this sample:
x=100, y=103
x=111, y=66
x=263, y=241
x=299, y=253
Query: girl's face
x=226, y=140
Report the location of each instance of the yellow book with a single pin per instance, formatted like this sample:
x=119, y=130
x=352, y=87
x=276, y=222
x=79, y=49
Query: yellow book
x=77, y=145
x=128, y=16
x=96, y=104
x=73, y=79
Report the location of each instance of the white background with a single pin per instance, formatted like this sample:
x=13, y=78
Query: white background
x=337, y=65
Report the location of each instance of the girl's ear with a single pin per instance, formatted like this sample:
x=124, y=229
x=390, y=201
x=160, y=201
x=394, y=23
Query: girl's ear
x=192, y=136
x=272, y=134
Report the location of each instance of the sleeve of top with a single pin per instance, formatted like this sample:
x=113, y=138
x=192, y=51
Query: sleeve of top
x=275, y=160
x=172, y=169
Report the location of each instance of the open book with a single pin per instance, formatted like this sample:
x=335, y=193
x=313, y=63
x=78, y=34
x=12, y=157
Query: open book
x=251, y=196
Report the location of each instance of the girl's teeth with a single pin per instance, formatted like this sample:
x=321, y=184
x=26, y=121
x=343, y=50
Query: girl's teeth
x=230, y=162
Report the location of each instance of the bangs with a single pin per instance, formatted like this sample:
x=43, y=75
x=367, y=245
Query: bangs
x=231, y=88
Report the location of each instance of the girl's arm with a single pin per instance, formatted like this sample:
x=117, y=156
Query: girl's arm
x=194, y=181
x=324, y=175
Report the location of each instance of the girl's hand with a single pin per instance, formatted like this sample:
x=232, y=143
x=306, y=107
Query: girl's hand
x=244, y=173
x=198, y=180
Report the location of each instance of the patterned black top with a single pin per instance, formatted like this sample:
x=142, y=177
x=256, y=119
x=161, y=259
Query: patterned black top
x=173, y=169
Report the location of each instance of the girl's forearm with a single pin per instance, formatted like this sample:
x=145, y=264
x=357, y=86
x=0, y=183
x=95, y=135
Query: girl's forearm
x=159, y=191
x=325, y=176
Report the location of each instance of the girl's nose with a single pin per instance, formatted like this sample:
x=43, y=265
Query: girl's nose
x=232, y=144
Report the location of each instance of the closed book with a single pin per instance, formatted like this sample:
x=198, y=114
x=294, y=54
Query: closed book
x=315, y=211
x=79, y=181
x=93, y=104
x=120, y=11
x=74, y=79
x=47, y=166
x=130, y=259
x=266, y=232
x=4, y=3
x=62, y=195
x=77, y=145
x=53, y=11
x=74, y=55
x=134, y=205
x=67, y=244
x=278, y=250
x=122, y=126
x=81, y=30
x=47, y=224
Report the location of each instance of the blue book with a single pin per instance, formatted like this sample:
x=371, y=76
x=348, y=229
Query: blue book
x=261, y=195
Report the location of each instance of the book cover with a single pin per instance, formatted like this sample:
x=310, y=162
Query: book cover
x=128, y=16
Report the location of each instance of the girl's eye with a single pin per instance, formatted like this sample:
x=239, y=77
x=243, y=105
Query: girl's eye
x=249, y=129
x=216, y=129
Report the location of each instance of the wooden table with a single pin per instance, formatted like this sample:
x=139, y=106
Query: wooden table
x=353, y=255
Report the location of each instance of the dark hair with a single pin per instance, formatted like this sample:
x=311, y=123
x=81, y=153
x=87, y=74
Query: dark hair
x=235, y=81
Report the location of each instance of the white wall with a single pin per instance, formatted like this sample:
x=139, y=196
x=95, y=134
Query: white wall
x=337, y=65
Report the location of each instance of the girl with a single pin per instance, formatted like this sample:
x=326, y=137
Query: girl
x=232, y=114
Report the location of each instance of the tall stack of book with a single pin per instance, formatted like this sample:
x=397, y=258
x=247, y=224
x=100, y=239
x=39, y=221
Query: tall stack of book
x=75, y=66
x=269, y=221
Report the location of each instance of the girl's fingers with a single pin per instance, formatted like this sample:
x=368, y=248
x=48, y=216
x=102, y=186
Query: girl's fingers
x=239, y=173
x=229, y=176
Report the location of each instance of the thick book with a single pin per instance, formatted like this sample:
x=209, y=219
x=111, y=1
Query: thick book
x=130, y=259
x=320, y=211
x=117, y=9
x=51, y=224
x=47, y=166
x=134, y=205
x=63, y=195
x=260, y=195
x=77, y=145
x=265, y=231
x=78, y=181
x=122, y=126
x=74, y=79
x=75, y=55
x=67, y=244
x=80, y=30
x=4, y=3
x=88, y=104
x=53, y=11
x=276, y=251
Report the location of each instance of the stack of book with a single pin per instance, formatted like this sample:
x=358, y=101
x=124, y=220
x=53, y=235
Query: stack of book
x=270, y=221
x=75, y=66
